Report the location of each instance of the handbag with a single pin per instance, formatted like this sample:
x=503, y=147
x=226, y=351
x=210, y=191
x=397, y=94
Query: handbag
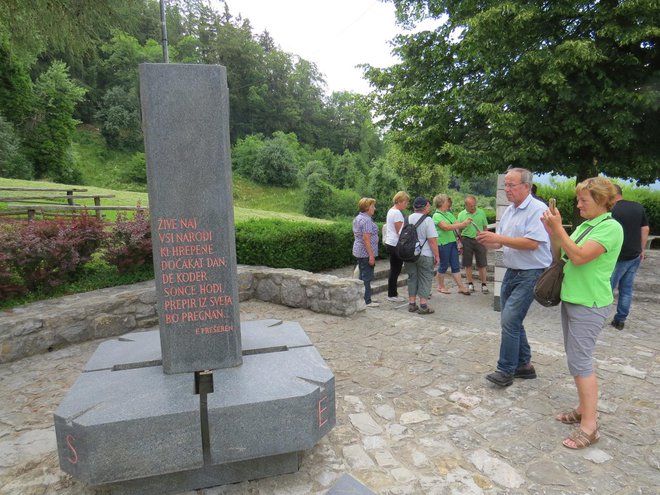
x=547, y=290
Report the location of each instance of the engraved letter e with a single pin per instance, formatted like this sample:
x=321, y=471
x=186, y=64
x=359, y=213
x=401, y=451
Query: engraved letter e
x=321, y=410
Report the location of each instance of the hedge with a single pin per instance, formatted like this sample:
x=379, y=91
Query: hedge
x=565, y=195
x=302, y=245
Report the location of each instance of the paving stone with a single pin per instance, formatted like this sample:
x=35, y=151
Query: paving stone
x=412, y=417
x=365, y=423
x=356, y=457
x=500, y=472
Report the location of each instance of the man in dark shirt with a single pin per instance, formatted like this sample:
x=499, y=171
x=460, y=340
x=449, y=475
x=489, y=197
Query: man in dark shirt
x=632, y=218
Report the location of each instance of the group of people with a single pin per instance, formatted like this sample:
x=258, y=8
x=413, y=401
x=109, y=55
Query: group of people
x=600, y=255
x=442, y=237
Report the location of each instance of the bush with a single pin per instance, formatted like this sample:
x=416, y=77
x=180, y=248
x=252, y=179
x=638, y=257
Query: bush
x=128, y=246
x=135, y=172
x=245, y=153
x=46, y=254
x=275, y=165
x=305, y=246
x=9, y=286
x=322, y=200
x=652, y=206
x=318, y=197
x=345, y=203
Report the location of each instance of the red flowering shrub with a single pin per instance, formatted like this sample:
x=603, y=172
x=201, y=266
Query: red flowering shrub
x=44, y=254
x=128, y=246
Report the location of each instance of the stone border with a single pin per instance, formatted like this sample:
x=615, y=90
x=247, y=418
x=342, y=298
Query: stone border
x=55, y=323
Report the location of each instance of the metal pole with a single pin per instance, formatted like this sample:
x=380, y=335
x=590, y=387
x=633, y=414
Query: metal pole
x=163, y=26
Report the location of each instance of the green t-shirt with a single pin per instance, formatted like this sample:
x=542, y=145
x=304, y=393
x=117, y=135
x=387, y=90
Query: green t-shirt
x=478, y=220
x=444, y=236
x=589, y=284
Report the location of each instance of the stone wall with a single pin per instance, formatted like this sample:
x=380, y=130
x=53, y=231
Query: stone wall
x=55, y=323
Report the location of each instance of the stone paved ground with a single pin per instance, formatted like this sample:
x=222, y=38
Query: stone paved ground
x=414, y=413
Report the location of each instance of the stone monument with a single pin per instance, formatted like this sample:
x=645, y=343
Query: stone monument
x=205, y=400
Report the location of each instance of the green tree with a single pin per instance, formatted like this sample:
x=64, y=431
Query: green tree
x=12, y=162
x=16, y=98
x=65, y=26
x=314, y=167
x=318, y=197
x=51, y=129
x=567, y=86
x=419, y=177
x=275, y=164
x=245, y=152
x=120, y=119
x=383, y=184
x=346, y=173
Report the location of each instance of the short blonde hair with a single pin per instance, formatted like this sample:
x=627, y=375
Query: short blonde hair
x=601, y=190
x=365, y=203
x=440, y=200
x=400, y=197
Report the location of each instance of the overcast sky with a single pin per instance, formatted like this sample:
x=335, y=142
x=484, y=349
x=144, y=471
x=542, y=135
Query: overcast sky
x=336, y=35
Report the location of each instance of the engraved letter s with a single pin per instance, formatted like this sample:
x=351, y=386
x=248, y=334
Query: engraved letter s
x=74, y=455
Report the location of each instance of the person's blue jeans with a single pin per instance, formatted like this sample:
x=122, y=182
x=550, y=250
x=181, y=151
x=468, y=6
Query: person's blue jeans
x=366, y=275
x=516, y=296
x=623, y=276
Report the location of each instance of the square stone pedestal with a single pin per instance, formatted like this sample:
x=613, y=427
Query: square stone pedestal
x=127, y=425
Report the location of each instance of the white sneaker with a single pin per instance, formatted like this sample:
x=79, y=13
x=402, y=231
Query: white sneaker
x=373, y=304
x=396, y=299
x=484, y=289
x=470, y=287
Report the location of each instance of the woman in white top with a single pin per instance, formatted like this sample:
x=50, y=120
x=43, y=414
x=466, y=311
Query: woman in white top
x=393, y=226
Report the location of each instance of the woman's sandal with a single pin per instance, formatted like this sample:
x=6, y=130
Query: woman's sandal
x=569, y=418
x=444, y=290
x=581, y=439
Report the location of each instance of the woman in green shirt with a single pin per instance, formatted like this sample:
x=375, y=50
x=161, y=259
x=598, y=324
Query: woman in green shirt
x=446, y=225
x=586, y=295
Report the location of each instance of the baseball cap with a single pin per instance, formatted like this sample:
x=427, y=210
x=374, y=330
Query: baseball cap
x=420, y=202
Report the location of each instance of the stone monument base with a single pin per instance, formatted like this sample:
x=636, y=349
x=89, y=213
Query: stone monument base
x=128, y=426
x=209, y=476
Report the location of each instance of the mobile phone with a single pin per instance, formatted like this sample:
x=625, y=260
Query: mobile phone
x=553, y=205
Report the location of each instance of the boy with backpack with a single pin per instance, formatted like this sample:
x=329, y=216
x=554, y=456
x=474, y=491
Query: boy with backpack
x=420, y=265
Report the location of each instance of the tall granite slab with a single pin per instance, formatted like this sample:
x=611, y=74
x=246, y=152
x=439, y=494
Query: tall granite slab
x=185, y=113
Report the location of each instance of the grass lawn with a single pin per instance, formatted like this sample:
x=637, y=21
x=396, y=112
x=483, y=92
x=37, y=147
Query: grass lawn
x=249, y=197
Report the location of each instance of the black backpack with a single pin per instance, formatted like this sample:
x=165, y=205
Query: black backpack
x=408, y=248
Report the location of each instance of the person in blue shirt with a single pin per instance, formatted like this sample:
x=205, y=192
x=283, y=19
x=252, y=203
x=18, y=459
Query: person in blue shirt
x=526, y=253
x=365, y=245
